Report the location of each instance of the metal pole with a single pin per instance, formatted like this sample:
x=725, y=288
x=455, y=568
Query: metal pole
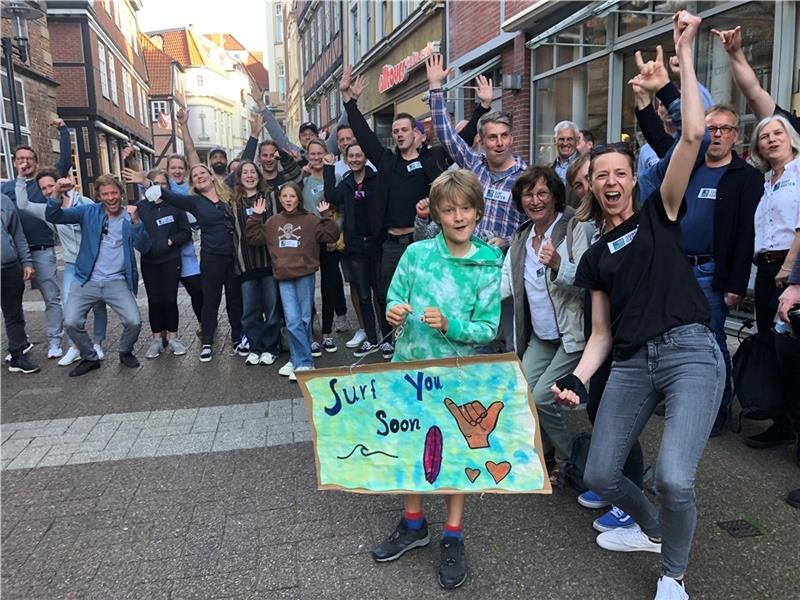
x=8, y=62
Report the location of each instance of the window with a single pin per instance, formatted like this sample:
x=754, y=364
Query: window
x=101, y=62
x=156, y=108
x=102, y=154
x=118, y=7
x=115, y=158
x=245, y=132
x=7, y=128
x=199, y=80
x=278, y=22
x=366, y=38
x=314, y=27
x=281, y=82
x=75, y=158
x=112, y=76
x=142, y=106
x=355, y=37
x=381, y=11
x=128, y=91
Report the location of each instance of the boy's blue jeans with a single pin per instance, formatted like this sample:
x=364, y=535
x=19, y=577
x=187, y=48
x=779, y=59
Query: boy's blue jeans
x=296, y=297
x=260, y=316
x=683, y=366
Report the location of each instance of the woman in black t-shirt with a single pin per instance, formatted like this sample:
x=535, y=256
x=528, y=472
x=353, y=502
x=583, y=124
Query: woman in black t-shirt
x=649, y=310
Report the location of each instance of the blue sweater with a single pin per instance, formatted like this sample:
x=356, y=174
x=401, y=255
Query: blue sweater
x=36, y=231
x=92, y=219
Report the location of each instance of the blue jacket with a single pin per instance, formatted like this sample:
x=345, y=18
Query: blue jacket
x=92, y=219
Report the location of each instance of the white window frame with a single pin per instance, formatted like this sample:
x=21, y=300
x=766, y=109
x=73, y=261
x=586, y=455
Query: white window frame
x=7, y=128
x=278, y=22
x=142, y=106
x=281, y=81
x=101, y=63
x=354, y=47
x=112, y=76
x=156, y=108
x=127, y=90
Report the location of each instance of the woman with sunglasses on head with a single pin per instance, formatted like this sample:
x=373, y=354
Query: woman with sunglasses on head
x=648, y=309
x=209, y=203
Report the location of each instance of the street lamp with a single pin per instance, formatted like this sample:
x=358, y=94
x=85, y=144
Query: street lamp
x=20, y=12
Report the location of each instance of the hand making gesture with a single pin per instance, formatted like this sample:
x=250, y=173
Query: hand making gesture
x=475, y=421
x=653, y=74
x=436, y=72
x=484, y=90
x=260, y=206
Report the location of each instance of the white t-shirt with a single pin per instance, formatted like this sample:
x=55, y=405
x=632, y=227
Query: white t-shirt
x=543, y=313
x=778, y=214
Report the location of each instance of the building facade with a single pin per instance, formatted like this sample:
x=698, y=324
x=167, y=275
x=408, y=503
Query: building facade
x=295, y=105
x=36, y=87
x=103, y=90
x=276, y=57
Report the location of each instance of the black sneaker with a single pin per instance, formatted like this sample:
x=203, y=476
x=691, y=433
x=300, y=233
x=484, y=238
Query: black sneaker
x=22, y=364
x=206, y=354
x=387, y=349
x=128, y=359
x=329, y=345
x=793, y=499
x=770, y=438
x=84, y=367
x=453, y=570
x=401, y=541
x=28, y=347
x=366, y=347
x=316, y=349
x=719, y=424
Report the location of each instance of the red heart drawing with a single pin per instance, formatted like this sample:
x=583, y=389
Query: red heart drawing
x=498, y=471
x=472, y=474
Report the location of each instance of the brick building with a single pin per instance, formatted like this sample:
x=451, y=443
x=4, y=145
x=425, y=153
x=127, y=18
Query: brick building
x=100, y=66
x=36, y=98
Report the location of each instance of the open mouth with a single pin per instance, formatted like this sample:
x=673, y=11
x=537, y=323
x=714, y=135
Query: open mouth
x=612, y=197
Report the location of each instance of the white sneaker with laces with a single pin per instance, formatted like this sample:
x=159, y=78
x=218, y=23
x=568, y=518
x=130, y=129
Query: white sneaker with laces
x=72, y=355
x=267, y=358
x=98, y=349
x=54, y=351
x=627, y=539
x=286, y=369
x=359, y=338
x=670, y=589
x=293, y=375
x=154, y=348
x=252, y=359
x=177, y=347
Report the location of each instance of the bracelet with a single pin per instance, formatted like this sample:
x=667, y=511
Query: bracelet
x=572, y=383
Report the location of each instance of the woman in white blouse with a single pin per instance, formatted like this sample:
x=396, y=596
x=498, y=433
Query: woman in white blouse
x=776, y=150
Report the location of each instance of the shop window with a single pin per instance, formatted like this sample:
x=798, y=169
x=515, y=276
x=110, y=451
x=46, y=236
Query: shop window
x=579, y=94
x=642, y=13
x=102, y=154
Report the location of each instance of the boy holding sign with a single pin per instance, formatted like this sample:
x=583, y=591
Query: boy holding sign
x=445, y=299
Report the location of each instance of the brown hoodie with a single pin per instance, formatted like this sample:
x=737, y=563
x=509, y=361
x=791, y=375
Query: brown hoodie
x=292, y=240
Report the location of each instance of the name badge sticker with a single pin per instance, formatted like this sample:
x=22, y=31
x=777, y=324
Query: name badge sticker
x=619, y=243
x=784, y=184
x=498, y=195
x=539, y=272
x=165, y=220
x=288, y=243
x=414, y=166
x=318, y=189
x=707, y=194
x=249, y=212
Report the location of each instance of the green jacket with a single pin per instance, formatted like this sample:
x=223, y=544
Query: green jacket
x=466, y=290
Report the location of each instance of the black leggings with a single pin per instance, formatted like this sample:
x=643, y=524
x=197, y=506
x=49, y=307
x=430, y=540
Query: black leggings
x=161, y=283
x=216, y=272
x=634, y=464
x=367, y=279
x=332, y=288
x=193, y=284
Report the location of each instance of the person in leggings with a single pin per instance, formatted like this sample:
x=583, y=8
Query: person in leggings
x=209, y=205
x=169, y=230
x=649, y=311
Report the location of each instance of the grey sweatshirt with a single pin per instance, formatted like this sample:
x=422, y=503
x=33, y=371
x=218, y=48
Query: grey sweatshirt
x=13, y=245
x=69, y=234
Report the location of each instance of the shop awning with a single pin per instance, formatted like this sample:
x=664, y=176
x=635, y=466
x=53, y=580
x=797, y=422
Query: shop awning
x=574, y=19
x=525, y=19
x=473, y=73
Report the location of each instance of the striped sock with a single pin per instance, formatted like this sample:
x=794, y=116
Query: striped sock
x=413, y=520
x=455, y=532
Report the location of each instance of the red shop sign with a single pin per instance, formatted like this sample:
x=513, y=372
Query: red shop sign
x=393, y=75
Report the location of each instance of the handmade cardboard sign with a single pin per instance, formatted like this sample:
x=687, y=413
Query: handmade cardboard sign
x=434, y=426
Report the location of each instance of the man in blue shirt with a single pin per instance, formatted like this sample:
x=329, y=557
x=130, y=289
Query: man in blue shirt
x=105, y=268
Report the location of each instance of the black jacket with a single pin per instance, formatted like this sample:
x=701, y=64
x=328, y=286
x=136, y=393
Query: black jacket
x=434, y=161
x=175, y=228
x=343, y=197
x=738, y=193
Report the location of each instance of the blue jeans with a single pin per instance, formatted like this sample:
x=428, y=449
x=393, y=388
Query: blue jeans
x=260, y=316
x=100, y=313
x=719, y=312
x=684, y=367
x=296, y=297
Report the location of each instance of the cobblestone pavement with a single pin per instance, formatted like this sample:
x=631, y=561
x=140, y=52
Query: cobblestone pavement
x=187, y=480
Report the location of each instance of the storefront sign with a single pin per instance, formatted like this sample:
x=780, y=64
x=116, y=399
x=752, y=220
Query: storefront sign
x=433, y=426
x=394, y=75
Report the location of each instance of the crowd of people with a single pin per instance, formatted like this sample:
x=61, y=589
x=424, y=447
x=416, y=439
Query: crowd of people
x=612, y=281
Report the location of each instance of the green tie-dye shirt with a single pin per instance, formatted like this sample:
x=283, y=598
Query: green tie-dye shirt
x=466, y=290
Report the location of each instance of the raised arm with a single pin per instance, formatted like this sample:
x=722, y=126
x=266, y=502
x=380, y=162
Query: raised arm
x=351, y=89
x=485, y=93
x=673, y=188
x=329, y=178
x=759, y=99
x=456, y=147
x=55, y=213
x=188, y=143
x=64, y=163
x=35, y=209
x=187, y=203
x=331, y=143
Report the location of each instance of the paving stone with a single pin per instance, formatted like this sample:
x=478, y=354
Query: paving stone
x=29, y=457
x=235, y=440
x=122, y=440
x=11, y=448
x=6, y=432
x=121, y=417
x=182, y=416
x=205, y=423
x=236, y=425
x=54, y=460
x=60, y=425
x=144, y=446
x=302, y=436
x=83, y=424
x=58, y=440
x=166, y=430
x=279, y=405
x=61, y=449
x=192, y=443
x=276, y=439
x=31, y=424
x=279, y=416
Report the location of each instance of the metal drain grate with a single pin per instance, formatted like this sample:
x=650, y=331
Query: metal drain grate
x=740, y=528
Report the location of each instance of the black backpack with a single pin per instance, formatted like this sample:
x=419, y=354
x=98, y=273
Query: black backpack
x=756, y=379
x=572, y=472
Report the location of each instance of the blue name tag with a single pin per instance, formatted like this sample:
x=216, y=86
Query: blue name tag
x=619, y=243
x=248, y=211
x=318, y=189
x=165, y=220
x=414, y=166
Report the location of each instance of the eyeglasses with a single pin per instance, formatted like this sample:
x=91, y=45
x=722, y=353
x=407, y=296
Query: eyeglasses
x=542, y=195
x=723, y=129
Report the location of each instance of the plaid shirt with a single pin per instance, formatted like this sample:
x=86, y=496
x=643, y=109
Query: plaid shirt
x=501, y=218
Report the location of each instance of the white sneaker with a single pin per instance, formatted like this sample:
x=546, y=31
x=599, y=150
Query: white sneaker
x=293, y=375
x=98, y=349
x=340, y=323
x=670, y=589
x=72, y=355
x=286, y=369
x=177, y=346
x=55, y=351
x=359, y=338
x=252, y=359
x=627, y=539
x=154, y=348
x=267, y=358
